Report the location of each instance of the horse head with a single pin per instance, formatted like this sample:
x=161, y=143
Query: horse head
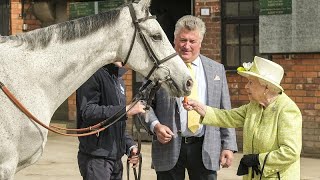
x=160, y=61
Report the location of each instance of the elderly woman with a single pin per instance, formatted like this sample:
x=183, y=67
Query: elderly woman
x=271, y=123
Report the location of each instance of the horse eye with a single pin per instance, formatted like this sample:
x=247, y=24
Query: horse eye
x=156, y=37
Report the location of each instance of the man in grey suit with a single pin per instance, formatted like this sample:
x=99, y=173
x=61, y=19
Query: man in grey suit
x=175, y=147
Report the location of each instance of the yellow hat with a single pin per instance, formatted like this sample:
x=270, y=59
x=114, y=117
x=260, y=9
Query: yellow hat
x=268, y=71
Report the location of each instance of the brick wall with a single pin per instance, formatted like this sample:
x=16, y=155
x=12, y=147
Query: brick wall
x=129, y=92
x=302, y=83
x=18, y=18
x=212, y=41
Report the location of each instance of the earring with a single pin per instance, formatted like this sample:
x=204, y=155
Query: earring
x=266, y=90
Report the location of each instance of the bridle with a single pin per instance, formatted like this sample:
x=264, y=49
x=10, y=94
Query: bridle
x=147, y=46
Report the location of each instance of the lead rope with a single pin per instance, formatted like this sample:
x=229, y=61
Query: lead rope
x=94, y=129
x=102, y=126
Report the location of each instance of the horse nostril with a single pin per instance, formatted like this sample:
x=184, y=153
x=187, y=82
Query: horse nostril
x=189, y=85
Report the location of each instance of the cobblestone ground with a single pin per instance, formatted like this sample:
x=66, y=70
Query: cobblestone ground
x=59, y=163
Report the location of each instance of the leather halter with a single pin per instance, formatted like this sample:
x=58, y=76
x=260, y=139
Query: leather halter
x=147, y=46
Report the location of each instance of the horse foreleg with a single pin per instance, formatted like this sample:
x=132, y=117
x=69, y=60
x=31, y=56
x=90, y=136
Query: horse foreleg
x=8, y=169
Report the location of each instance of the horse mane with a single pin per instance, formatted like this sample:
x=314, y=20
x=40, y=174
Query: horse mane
x=66, y=31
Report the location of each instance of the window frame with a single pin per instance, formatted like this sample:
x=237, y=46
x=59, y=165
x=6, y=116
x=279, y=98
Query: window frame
x=237, y=20
x=5, y=18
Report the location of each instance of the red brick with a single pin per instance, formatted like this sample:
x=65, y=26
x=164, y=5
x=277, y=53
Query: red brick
x=302, y=56
x=310, y=93
x=298, y=93
x=316, y=56
x=309, y=100
x=299, y=68
x=310, y=74
x=290, y=74
x=298, y=99
x=317, y=144
x=308, y=143
x=309, y=61
x=300, y=105
x=310, y=112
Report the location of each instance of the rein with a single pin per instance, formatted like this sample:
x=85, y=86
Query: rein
x=94, y=129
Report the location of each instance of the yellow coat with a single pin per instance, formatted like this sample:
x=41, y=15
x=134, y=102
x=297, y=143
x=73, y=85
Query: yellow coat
x=276, y=130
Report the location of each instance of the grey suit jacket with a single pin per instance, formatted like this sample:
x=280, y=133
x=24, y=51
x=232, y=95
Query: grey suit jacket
x=165, y=156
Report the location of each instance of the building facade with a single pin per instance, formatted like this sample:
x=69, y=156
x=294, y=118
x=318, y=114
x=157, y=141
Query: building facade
x=235, y=34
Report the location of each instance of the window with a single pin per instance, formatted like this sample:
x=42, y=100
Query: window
x=4, y=17
x=81, y=8
x=240, y=32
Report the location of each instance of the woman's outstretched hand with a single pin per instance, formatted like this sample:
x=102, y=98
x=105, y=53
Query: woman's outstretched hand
x=195, y=105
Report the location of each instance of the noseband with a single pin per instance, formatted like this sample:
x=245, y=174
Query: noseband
x=147, y=46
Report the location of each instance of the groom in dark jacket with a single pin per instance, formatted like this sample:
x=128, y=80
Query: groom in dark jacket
x=103, y=95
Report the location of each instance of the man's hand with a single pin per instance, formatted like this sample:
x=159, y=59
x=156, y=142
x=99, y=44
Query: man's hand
x=164, y=134
x=134, y=158
x=133, y=109
x=226, y=158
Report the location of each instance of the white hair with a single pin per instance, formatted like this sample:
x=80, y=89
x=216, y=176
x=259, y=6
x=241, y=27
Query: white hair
x=270, y=86
x=191, y=23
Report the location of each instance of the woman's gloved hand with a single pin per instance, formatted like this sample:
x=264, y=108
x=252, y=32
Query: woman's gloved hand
x=242, y=169
x=249, y=160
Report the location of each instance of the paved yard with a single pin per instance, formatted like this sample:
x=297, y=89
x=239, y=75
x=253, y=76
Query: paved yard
x=59, y=163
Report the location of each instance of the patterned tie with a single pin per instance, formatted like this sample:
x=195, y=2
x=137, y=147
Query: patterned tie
x=193, y=116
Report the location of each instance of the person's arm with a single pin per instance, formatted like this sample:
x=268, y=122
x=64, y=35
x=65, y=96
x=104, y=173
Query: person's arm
x=89, y=95
x=151, y=119
x=163, y=133
x=132, y=150
x=218, y=117
x=130, y=143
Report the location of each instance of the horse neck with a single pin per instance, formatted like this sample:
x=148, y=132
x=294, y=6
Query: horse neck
x=81, y=60
x=67, y=66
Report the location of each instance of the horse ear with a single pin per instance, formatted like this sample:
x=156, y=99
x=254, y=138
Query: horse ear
x=145, y=4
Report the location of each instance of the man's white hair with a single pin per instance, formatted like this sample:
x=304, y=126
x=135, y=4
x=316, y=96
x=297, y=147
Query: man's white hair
x=191, y=23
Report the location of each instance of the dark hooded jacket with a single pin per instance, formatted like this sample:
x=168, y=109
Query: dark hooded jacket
x=97, y=99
